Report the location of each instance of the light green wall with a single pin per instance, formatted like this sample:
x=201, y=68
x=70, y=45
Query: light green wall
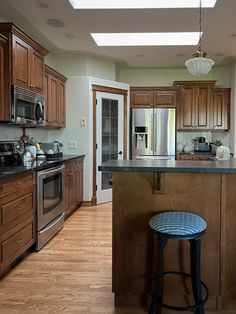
x=165, y=77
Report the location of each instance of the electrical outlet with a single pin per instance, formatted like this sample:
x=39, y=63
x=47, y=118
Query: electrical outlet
x=83, y=121
x=73, y=144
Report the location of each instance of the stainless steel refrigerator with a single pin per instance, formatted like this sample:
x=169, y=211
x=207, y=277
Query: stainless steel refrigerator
x=153, y=134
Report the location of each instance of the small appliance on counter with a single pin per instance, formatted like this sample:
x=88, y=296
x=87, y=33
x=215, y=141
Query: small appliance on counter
x=200, y=145
x=9, y=153
x=52, y=150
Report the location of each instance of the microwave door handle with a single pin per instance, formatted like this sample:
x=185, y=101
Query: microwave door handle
x=40, y=110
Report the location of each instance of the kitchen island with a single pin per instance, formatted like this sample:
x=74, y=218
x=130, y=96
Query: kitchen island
x=144, y=188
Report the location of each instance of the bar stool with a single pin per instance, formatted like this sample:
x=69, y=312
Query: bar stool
x=178, y=225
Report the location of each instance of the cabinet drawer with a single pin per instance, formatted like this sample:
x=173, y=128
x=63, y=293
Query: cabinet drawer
x=15, y=209
x=185, y=157
x=17, y=241
x=16, y=183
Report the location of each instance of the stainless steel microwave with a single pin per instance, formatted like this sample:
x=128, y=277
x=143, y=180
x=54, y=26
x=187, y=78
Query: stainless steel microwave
x=28, y=108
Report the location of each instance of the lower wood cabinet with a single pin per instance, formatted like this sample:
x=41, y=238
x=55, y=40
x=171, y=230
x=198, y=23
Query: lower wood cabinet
x=73, y=184
x=194, y=157
x=17, y=217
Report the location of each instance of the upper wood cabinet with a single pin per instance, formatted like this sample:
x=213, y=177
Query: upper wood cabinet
x=195, y=105
x=26, y=58
x=148, y=97
x=221, y=108
x=55, y=94
x=5, y=110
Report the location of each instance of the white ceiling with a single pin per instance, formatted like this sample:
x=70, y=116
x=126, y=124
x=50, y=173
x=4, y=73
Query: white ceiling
x=218, y=26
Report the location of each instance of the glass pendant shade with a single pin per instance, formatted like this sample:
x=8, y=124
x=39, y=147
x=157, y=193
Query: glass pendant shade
x=199, y=64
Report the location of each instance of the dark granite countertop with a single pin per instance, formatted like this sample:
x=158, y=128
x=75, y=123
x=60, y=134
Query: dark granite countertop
x=35, y=165
x=194, y=166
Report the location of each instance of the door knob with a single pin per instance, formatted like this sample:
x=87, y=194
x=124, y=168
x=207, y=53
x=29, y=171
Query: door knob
x=120, y=152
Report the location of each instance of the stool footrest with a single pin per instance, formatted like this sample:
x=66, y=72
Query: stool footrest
x=180, y=308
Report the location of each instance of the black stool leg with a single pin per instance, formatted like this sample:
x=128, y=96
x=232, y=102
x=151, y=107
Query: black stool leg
x=157, y=292
x=195, y=260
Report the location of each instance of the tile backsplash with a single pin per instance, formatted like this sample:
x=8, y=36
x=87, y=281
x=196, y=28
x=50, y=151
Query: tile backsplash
x=14, y=133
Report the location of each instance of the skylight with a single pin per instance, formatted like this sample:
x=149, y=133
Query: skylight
x=140, y=4
x=146, y=39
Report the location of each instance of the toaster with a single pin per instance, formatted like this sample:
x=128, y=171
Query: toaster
x=52, y=148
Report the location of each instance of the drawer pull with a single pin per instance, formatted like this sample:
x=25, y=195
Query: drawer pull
x=18, y=209
x=19, y=241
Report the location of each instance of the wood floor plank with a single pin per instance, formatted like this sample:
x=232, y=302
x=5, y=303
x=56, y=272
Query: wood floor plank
x=72, y=273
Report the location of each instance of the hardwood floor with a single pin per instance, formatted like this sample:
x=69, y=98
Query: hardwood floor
x=72, y=273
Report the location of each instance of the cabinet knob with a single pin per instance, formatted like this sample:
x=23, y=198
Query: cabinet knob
x=19, y=241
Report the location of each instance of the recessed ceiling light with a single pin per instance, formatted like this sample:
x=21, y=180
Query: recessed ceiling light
x=139, y=4
x=146, y=39
x=69, y=35
x=55, y=23
x=44, y=4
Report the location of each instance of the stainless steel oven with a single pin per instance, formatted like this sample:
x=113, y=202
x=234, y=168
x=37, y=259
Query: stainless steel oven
x=50, y=203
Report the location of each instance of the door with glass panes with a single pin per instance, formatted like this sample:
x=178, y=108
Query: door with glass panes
x=109, y=115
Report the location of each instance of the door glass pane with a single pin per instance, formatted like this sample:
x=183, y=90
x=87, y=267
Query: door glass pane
x=109, y=137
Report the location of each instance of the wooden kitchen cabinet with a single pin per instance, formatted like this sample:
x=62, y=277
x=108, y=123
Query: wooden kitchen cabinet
x=26, y=58
x=5, y=110
x=194, y=157
x=73, y=185
x=17, y=223
x=55, y=94
x=153, y=97
x=195, y=105
x=221, y=108
x=141, y=97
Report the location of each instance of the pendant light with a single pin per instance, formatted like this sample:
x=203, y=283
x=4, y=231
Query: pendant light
x=199, y=65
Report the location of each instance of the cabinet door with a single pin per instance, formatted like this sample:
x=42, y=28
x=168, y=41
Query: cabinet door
x=55, y=93
x=185, y=113
x=61, y=105
x=80, y=184
x=165, y=98
x=203, y=96
x=141, y=98
x=66, y=194
x=21, y=57
x=221, y=109
x=5, y=106
x=36, y=71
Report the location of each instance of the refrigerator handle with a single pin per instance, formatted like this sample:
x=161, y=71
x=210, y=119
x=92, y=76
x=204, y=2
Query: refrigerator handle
x=155, y=133
x=151, y=133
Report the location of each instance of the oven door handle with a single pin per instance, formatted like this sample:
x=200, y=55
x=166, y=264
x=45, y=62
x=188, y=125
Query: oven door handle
x=45, y=173
x=54, y=223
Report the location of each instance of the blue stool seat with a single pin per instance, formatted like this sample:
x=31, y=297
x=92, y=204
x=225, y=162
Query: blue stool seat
x=178, y=224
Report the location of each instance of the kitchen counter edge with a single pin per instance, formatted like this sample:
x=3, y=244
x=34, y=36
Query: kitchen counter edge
x=194, y=166
x=7, y=171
